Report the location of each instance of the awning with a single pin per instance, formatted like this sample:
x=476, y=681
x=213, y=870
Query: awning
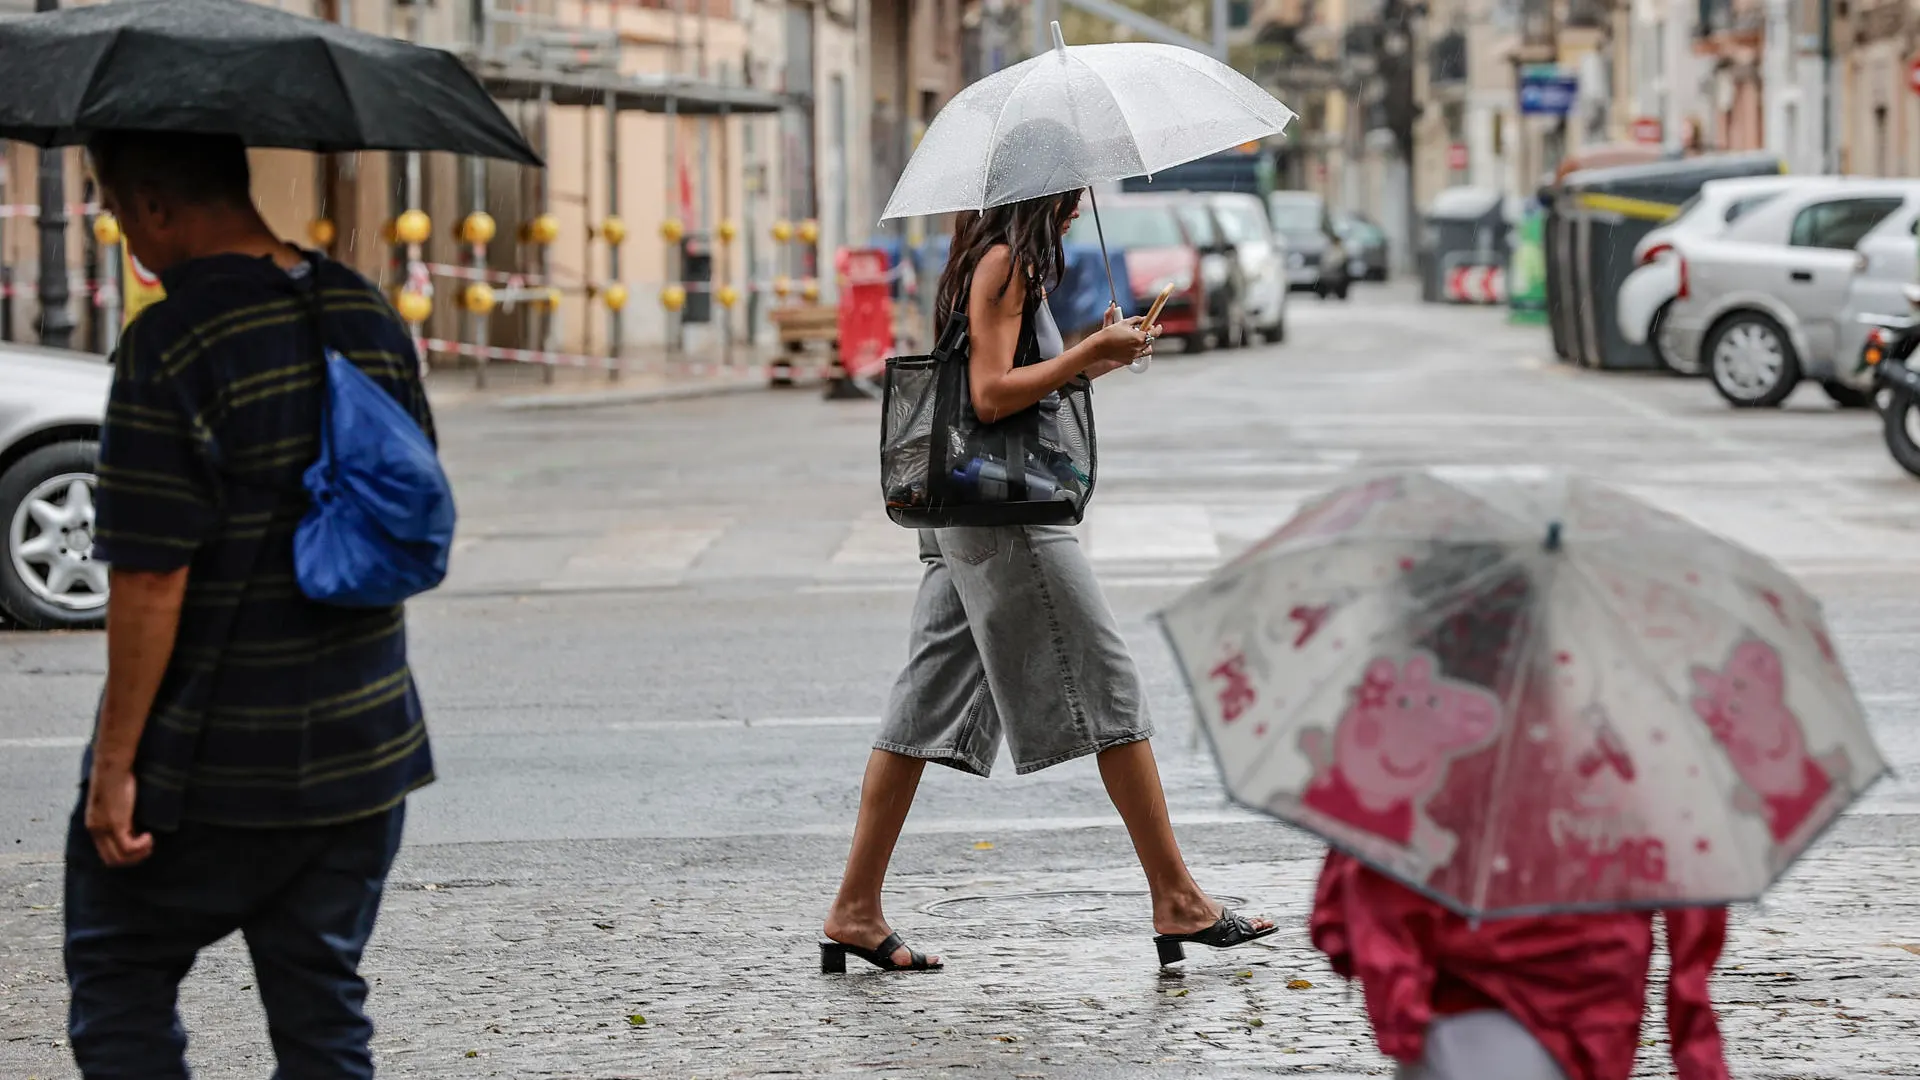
x=640, y=93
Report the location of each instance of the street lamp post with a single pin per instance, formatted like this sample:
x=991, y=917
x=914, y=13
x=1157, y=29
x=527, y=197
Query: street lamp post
x=56, y=322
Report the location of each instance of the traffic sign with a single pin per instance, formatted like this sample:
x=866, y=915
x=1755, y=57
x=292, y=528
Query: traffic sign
x=1913, y=75
x=1477, y=284
x=1547, y=91
x=1457, y=157
x=1649, y=130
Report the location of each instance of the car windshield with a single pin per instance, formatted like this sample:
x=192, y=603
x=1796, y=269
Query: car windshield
x=1352, y=228
x=1242, y=224
x=1296, y=215
x=1129, y=227
x=1199, y=224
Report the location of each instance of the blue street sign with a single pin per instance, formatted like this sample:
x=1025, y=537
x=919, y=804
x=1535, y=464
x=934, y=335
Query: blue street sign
x=1547, y=92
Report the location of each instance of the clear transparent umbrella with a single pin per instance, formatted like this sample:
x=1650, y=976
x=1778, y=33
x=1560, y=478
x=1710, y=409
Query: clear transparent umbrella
x=1079, y=116
x=1526, y=692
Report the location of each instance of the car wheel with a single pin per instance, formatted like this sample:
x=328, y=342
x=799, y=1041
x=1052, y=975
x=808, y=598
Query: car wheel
x=48, y=577
x=1278, y=332
x=1846, y=396
x=1194, y=343
x=1751, y=361
x=1346, y=286
x=1661, y=342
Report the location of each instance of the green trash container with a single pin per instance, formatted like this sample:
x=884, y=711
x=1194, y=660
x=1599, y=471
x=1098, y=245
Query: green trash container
x=1527, y=269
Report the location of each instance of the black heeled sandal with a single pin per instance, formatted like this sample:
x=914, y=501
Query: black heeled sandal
x=1230, y=929
x=833, y=957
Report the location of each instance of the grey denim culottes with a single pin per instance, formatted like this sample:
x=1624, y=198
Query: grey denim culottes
x=1012, y=639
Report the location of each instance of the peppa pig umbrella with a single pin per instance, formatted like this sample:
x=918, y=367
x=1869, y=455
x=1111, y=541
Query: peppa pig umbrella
x=1523, y=692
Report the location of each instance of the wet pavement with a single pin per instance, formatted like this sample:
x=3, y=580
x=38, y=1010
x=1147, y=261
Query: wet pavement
x=655, y=673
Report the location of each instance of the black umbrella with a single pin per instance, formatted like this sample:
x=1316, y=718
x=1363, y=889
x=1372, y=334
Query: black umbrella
x=228, y=67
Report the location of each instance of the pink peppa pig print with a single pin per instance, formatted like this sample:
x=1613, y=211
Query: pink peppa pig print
x=1744, y=705
x=1391, y=748
x=1601, y=849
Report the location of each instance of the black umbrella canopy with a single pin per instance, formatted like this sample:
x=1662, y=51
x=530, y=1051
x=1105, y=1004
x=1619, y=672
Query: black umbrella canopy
x=229, y=67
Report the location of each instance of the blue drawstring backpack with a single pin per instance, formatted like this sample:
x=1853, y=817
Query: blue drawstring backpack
x=381, y=526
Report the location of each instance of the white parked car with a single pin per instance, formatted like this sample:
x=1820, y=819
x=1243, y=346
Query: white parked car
x=51, y=407
x=1263, y=260
x=1763, y=304
x=1647, y=293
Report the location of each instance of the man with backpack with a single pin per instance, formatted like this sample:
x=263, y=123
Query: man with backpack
x=254, y=747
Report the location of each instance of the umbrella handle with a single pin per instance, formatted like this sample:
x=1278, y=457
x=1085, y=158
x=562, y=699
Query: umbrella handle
x=1105, y=260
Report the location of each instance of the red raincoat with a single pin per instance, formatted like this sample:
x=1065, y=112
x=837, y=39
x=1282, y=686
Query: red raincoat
x=1578, y=983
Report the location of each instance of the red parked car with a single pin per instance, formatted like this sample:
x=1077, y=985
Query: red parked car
x=1158, y=255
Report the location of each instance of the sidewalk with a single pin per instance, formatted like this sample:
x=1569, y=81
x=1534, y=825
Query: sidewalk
x=641, y=378
x=519, y=960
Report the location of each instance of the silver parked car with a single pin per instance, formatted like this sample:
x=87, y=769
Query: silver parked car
x=1762, y=305
x=1263, y=260
x=1646, y=297
x=51, y=408
x=1881, y=292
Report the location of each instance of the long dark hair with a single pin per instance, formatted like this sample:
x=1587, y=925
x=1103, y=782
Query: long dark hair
x=1030, y=228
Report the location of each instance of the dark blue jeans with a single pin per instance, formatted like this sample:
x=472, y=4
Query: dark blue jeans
x=304, y=899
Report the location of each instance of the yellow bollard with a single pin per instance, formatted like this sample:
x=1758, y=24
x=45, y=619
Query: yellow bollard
x=412, y=306
x=477, y=228
x=544, y=229
x=412, y=227
x=477, y=298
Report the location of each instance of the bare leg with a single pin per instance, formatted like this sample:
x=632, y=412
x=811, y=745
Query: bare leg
x=886, y=794
x=1133, y=783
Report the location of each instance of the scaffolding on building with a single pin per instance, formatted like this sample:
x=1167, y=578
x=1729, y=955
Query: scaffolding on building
x=535, y=57
x=533, y=61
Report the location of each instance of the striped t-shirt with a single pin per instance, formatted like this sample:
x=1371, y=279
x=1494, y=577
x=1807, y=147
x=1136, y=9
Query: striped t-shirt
x=275, y=711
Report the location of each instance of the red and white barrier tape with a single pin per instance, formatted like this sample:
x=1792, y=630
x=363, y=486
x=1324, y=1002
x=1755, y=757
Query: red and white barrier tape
x=511, y=279
x=99, y=292
x=519, y=280
x=32, y=210
x=518, y=356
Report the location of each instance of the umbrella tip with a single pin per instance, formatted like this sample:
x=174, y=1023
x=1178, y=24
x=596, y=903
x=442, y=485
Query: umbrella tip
x=1553, y=536
x=1059, y=39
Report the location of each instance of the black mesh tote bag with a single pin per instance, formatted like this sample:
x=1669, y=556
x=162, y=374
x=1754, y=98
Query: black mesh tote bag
x=941, y=466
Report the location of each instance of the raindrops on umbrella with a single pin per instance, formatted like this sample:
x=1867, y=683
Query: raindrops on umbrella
x=1569, y=701
x=1077, y=116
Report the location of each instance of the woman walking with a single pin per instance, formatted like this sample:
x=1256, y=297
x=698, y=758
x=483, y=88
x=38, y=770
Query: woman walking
x=1011, y=636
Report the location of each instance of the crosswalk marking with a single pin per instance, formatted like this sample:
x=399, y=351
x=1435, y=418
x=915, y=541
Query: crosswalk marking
x=1131, y=540
x=638, y=555
x=874, y=540
x=1159, y=533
